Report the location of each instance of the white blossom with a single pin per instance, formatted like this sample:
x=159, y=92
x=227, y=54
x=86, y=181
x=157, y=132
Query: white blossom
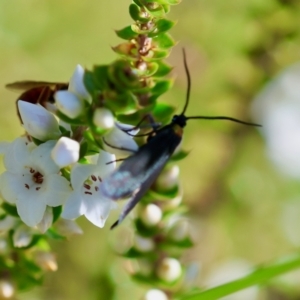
x=65, y=152
x=103, y=118
x=117, y=139
x=38, y=121
x=22, y=236
x=150, y=215
x=32, y=181
x=169, y=269
x=86, y=199
x=76, y=85
x=71, y=102
x=277, y=108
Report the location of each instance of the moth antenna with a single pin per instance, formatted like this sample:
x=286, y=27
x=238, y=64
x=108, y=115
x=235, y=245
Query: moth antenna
x=223, y=118
x=188, y=76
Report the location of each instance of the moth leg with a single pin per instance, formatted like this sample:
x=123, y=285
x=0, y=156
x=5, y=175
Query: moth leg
x=152, y=124
x=116, y=160
x=119, y=148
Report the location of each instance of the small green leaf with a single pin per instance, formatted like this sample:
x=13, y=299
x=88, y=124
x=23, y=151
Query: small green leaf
x=10, y=209
x=163, y=69
x=101, y=77
x=180, y=155
x=124, y=103
x=164, y=25
x=135, y=13
x=164, y=41
x=145, y=231
x=56, y=212
x=89, y=82
x=174, y=2
x=163, y=112
x=137, y=2
x=157, y=54
x=156, y=11
x=126, y=33
x=162, y=86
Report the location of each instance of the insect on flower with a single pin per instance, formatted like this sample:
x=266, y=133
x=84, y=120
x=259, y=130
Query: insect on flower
x=37, y=92
x=138, y=172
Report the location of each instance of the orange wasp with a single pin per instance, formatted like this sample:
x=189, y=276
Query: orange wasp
x=37, y=92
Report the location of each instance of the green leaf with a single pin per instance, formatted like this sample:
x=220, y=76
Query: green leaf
x=135, y=13
x=164, y=41
x=126, y=33
x=163, y=112
x=162, y=86
x=89, y=82
x=164, y=25
x=56, y=212
x=145, y=231
x=10, y=209
x=262, y=275
x=137, y=2
x=174, y=2
x=134, y=253
x=124, y=103
x=53, y=234
x=180, y=155
x=101, y=77
x=163, y=69
x=157, y=54
x=156, y=11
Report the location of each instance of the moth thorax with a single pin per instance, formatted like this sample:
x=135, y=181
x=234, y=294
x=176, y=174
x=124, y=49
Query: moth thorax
x=178, y=130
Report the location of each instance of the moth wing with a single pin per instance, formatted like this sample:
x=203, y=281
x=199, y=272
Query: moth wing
x=139, y=193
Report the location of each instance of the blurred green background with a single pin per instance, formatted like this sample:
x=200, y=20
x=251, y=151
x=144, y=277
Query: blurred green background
x=237, y=199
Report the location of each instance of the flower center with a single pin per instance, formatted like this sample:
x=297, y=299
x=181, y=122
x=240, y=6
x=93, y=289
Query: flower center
x=37, y=177
x=91, y=184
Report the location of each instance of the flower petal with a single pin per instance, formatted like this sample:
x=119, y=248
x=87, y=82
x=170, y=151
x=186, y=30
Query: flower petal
x=8, y=185
x=103, y=168
x=65, y=152
x=38, y=121
x=74, y=207
x=41, y=157
x=57, y=191
x=31, y=209
x=97, y=210
x=80, y=173
x=68, y=103
x=76, y=84
x=119, y=139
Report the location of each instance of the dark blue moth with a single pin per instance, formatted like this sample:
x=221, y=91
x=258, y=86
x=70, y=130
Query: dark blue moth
x=138, y=172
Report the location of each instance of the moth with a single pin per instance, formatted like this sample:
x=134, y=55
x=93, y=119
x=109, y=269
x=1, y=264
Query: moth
x=138, y=172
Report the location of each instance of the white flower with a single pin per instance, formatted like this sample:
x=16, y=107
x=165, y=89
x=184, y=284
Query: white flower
x=71, y=102
x=169, y=269
x=103, y=118
x=47, y=220
x=65, y=152
x=155, y=294
x=67, y=228
x=151, y=215
x=86, y=199
x=277, y=108
x=76, y=85
x=32, y=181
x=117, y=139
x=38, y=121
x=22, y=236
